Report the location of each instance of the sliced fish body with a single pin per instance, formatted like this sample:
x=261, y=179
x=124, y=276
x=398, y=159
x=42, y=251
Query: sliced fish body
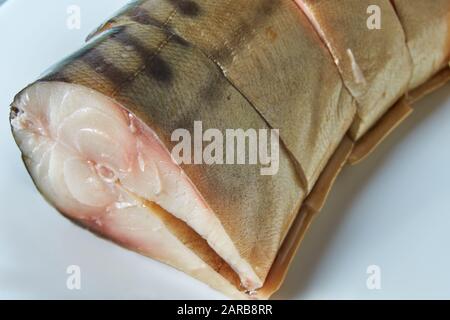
x=96, y=131
x=184, y=86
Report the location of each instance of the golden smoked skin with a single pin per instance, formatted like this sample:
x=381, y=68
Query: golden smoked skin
x=374, y=63
x=311, y=68
x=427, y=30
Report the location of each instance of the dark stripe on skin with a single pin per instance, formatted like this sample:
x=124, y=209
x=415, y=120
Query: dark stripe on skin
x=156, y=67
x=176, y=38
x=141, y=16
x=159, y=69
x=95, y=59
x=128, y=40
x=187, y=7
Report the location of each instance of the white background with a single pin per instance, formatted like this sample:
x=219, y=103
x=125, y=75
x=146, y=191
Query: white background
x=393, y=210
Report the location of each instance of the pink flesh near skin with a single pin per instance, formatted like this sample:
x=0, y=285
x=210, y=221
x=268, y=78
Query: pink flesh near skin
x=98, y=165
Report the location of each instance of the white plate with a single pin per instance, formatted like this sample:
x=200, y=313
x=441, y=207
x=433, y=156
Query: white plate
x=392, y=211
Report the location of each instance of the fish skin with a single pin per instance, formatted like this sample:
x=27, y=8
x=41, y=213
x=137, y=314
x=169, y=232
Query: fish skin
x=186, y=86
x=252, y=42
x=427, y=29
x=381, y=55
